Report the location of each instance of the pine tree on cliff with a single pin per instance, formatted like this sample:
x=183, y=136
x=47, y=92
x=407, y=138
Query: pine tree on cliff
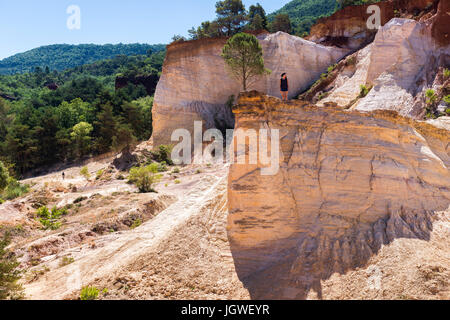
x=257, y=17
x=282, y=22
x=243, y=56
x=231, y=16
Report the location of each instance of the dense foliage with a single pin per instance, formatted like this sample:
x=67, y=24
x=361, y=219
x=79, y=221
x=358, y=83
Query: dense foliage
x=296, y=17
x=63, y=56
x=83, y=116
x=243, y=56
x=232, y=18
x=9, y=273
x=304, y=13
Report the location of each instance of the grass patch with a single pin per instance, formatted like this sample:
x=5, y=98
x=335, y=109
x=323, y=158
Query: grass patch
x=89, y=293
x=49, y=218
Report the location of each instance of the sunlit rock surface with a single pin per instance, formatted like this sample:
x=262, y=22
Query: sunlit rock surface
x=196, y=86
x=349, y=183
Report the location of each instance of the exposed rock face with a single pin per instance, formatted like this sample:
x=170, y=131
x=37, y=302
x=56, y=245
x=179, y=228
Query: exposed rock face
x=348, y=28
x=400, y=64
x=441, y=22
x=196, y=86
x=349, y=182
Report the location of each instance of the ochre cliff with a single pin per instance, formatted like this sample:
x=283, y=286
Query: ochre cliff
x=196, y=86
x=349, y=183
x=348, y=28
x=403, y=62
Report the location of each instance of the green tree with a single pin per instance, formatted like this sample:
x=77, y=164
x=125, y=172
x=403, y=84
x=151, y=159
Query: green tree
x=257, y=17
x=9, y=274
x=106, y=128
x=124, y=138
x=243, y=56
x=81, y=137
x=4, y=177
x=231, y=16
x=282, y=22
x=144, y=177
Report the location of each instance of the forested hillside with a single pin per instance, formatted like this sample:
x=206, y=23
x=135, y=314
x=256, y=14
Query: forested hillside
x=81, y=114
x=63, y=56
x=304, y=13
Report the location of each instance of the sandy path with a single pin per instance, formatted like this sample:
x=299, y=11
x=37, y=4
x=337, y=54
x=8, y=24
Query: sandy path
x=118, y=250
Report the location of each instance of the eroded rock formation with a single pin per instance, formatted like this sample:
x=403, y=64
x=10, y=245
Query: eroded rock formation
x=196, y=86
x=402, y=62
x=348, y=28
x=349, y=182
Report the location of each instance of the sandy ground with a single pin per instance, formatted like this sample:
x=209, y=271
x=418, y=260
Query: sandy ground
x=181, y=249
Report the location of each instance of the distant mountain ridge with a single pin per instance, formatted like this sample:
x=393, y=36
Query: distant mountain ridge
x=63, y=56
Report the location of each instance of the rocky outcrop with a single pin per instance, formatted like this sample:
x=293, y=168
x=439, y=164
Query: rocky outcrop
x=349, y=183
x=440, y=29
x=401, y=64
x=348, y=28
x=196, y=86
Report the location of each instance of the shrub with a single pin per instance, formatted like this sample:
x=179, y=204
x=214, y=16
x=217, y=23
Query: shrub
x=364, y=91
x=136, y=223
x=446, y=73
x=79, y=199
x=4, y=176
x=331, y=68
x=176, y=170
x=144, y=177
x=430, y=100
x=177, y=181
x=163, y=154
x=89, y=293
x=9, y=274
x=49, y=219
x=162, y=167
x=85, y=173
x=66, y=261
x=99, y=174
x=431, y=97
x=447, y=99
x=15, y=189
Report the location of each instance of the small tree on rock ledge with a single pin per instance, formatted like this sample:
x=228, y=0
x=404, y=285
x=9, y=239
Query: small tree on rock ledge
x=243, y=56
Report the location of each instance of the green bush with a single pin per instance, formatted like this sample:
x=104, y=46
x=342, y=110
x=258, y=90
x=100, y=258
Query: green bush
x=364, y=90
x=162, y=167
x=446, y=73
x=89, y=293
x=15, y=189
x=136, y=223
x=144, y=177
x=66, y=260
x=9, y=274
x=4, y=176
x=331, y=68
x=163, y=154
x=49, y=219
x=99, y=174
x=85, y=173
x=447, y=99
x=431, y=97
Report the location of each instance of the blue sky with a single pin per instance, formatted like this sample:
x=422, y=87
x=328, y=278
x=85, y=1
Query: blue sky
x=27, y=24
